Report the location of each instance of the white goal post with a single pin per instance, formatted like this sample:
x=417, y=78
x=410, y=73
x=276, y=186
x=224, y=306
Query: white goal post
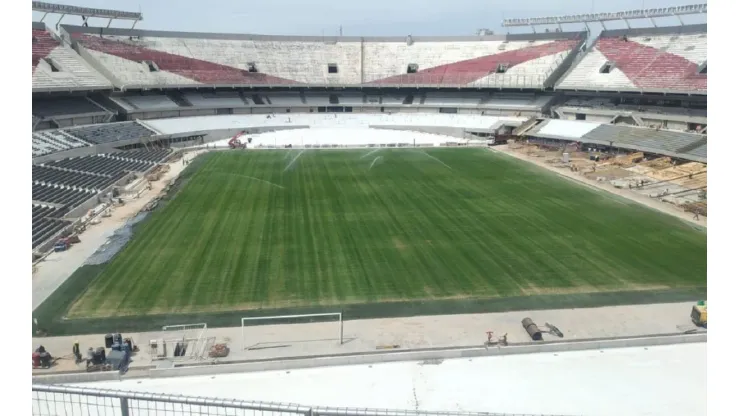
x=309, y=315
x=192, y=335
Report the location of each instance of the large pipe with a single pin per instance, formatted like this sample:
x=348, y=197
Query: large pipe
x=532, y=329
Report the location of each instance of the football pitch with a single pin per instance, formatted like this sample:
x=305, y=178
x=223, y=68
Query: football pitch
x=298, y=228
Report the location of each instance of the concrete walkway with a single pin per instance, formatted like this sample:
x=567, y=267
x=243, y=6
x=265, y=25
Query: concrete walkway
x=269, y=342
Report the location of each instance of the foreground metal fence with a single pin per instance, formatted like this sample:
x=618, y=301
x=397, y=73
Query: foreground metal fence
x=50, y=400
x=53, y=400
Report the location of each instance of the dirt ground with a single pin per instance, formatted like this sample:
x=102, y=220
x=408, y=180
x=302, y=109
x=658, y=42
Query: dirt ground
x=656, y=204
x=51, y=272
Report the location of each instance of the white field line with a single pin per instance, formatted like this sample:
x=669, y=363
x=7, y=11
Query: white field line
x=445, y=164
x=374, y=160
x=252, y=177
x=371, y=152
x=287, y=154
x=293, y=161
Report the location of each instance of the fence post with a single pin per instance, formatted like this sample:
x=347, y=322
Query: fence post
x=341, y=328
x=124, y=406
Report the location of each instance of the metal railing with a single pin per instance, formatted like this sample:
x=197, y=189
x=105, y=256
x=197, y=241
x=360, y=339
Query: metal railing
x=54, y=400
x=421, y=80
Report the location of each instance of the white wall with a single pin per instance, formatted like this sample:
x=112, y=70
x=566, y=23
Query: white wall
x=659, y=380
x=189, y=124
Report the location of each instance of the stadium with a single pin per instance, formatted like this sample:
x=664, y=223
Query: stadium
x=245, y=207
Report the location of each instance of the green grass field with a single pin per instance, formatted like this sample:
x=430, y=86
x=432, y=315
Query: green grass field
x=245, y=232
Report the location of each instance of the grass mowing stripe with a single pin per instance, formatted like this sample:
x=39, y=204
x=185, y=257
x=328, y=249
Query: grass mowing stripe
x=410, y=228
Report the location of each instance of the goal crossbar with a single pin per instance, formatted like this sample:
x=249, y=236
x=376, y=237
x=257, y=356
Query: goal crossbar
x=308, y=315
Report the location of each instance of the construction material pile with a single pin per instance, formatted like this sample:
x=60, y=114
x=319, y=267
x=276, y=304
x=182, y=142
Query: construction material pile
x=219, y=351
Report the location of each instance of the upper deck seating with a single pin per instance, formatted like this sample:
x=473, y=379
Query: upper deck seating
x=515, y=64
x=58, y=67
x=173, y=61
x=166, y=58
x=663, y=63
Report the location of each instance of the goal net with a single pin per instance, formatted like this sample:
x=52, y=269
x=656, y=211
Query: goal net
x=251, y=336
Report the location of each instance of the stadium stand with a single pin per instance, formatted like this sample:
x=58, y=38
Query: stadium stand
x=49, y=176
x=320, y=99
x=57, y=67
x=60, y=186
x=518, y=102
x=137, y=58
x=108, y=133
x=457, y=99
x=46, y=142
x=59, y=112
x=66, y=107
x=670, y=59
x=60, y=194
x=504, y=64
x=150, y=102
x=217, y=99
x=649, y=139
x=284, y=98
x=697, y=149
x=682, y=145
x=676, y=115
x=144, y=155
x=605, y=103
x=351, y=98
x=45, y=223
x=102, y=164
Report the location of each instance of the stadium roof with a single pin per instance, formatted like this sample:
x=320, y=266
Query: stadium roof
x=609, y=16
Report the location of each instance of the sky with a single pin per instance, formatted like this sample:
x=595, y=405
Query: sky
x=358, y=18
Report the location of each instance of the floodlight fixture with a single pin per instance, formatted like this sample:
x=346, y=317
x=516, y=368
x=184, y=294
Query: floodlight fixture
x=675, y=11
x=85, y=12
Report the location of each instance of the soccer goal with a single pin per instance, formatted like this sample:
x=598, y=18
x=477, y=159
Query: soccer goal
x=188, y=340
x=293, y=319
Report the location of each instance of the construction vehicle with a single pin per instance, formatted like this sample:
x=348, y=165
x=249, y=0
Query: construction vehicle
x=699, y=314
x=235, y=143
x=61, y=245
